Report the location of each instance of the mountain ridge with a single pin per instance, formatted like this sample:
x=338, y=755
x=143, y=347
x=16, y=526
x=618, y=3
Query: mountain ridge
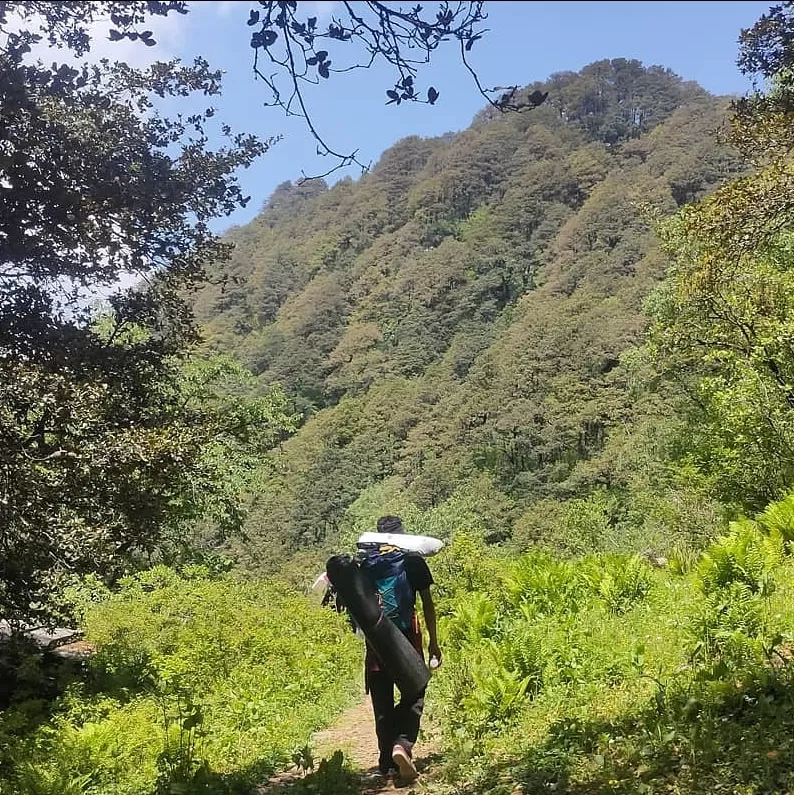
x=457, y=317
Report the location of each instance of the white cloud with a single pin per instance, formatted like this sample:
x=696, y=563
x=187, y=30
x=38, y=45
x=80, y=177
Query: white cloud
x=225, y=8
x=169, y=32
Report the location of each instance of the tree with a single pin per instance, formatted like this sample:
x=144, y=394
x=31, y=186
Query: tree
x=108, y=445
x=724, y=320
x=486, y=284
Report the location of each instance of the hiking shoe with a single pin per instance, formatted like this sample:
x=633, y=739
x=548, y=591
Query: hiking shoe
x=404, y=763
x=380, y=774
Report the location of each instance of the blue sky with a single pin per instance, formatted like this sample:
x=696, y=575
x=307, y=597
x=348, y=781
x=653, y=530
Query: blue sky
x=528, y=41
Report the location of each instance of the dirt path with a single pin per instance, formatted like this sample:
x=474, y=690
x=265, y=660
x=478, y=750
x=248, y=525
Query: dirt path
x=353, y=733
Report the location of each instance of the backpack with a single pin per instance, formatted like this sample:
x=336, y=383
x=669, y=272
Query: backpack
x=385, y=566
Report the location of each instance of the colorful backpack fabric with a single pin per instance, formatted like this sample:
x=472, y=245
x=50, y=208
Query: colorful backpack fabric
x=385, y=567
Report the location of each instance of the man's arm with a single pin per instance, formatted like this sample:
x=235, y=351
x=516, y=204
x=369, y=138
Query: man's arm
x=429, y=611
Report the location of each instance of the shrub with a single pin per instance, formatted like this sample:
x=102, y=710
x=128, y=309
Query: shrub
x=195, y=681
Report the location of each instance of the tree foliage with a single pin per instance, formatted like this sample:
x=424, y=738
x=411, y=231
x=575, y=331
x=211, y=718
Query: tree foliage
x=106, y=444
x=724, y=318
x=461, y=311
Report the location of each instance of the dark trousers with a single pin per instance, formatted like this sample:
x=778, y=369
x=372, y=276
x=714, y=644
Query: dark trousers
x=395, y=724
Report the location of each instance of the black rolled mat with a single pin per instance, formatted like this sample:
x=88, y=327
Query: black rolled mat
x=399, y=658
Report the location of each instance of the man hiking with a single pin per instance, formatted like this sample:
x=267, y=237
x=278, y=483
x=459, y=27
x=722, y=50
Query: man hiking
x=398, y=576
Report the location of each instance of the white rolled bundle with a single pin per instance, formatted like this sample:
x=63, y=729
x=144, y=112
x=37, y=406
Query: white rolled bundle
x=426, y=546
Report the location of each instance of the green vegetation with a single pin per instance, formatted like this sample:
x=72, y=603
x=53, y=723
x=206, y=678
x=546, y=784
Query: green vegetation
x=197, y=685
x=112, y=445
x=603, y=674
x=461, y=321
x=562, y=341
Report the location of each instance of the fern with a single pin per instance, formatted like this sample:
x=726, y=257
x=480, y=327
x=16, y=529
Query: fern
x=527, y=655
x=473, y=619
x=497, y=695
x=520, y=652
x=546, y=584
x=729, y=630
x=40, y=780
x=617, y=580
x=778, y=519
x=620, y=583
x=744, y=556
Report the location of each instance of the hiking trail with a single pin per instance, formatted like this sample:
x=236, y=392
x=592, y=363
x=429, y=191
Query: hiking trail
x=353, y=733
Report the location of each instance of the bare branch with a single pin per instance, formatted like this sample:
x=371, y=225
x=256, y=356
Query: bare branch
x=403, y=39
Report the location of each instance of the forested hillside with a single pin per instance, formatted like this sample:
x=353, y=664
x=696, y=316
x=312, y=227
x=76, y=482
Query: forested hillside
x=455, y=325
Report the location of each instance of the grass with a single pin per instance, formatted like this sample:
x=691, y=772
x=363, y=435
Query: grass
x=628, y=698
x=208, y=685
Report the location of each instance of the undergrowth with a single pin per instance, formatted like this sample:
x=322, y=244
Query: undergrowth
x=602, y=674
x=594, y=674
x=198, y=685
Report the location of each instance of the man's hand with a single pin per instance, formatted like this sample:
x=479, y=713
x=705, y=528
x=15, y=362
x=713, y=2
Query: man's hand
x=434, y=651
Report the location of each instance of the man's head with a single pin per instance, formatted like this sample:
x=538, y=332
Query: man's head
x=390, y=524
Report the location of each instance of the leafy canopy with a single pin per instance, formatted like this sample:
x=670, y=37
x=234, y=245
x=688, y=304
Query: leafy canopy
x=724, y=322
x=106, y=445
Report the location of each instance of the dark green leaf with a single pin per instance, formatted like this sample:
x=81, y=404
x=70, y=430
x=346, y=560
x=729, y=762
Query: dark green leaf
x=470, y=42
